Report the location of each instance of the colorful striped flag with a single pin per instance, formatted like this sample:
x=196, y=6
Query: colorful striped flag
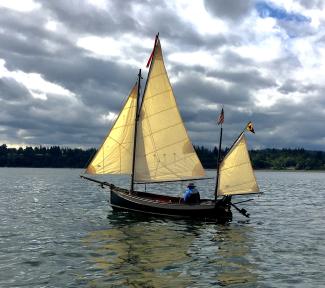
x=250, y=127
x=221, y=117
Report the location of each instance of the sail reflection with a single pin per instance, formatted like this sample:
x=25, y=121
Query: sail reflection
x=144, y=252
x=141, y=254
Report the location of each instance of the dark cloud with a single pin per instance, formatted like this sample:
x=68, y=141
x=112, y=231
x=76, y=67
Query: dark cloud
x=83, y=18
x=12, y=91
x=309, y=4
x=292, y=85
x=230, y=9
x=250, y=78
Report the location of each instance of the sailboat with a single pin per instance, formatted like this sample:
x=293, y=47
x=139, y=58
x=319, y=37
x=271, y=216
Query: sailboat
x=149, y=142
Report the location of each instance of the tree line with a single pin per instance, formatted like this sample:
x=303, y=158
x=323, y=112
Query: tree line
x=277, y=159
x=52, y=157
x=60, y=157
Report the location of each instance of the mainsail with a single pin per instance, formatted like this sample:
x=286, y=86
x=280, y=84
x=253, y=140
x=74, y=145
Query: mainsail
x=236, y=175
x=163, y=150
x=115, y=154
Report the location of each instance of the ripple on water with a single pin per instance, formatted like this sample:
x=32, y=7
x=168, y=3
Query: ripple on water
x=68, y=237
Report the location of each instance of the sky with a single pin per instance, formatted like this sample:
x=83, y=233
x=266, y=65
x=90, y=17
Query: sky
x=67, y=66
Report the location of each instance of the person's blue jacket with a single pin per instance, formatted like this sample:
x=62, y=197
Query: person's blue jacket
x=187, y=194
x=191, y=195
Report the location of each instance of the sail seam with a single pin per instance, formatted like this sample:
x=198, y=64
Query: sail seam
x=231, y=167
x=157, y=75
x=161, y=111
x=166, y=128
x=166, y=146
x=152, y=140
x=173, y=173
x=157, y=94
x=120, y=145
x=244, y=183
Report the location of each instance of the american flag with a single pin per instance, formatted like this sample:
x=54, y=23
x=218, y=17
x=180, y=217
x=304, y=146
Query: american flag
x=221, y=117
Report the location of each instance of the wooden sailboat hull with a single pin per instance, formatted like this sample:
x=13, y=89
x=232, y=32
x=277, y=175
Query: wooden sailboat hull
x=164, y=205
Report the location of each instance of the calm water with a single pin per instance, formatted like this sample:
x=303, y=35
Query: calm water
x=57, y=231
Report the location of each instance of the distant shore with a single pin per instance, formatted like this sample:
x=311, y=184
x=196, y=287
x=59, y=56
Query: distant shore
x=266, y=159
x=208, y=169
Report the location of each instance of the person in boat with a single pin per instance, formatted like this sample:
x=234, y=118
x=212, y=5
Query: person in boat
x=191, y=195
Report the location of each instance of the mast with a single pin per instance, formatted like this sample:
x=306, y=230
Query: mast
x=218, y=167
x=135, y=131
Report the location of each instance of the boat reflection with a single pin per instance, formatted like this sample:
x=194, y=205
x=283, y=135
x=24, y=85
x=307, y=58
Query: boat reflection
x=150, y=252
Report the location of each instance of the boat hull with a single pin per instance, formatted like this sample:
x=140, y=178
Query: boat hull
x=168, y=206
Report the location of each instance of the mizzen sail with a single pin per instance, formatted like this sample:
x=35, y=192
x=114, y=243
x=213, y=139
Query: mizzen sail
x=236, y=175
x=115, y=154
x=163, y=150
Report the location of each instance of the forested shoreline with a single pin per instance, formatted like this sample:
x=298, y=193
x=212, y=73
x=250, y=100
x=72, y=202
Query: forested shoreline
x=63, y=157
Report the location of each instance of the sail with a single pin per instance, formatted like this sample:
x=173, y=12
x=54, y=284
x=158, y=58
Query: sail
x=116, y=153
x=163, y=149
x=236, y=175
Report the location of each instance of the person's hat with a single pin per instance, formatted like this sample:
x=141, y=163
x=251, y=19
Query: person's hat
x=191, y=185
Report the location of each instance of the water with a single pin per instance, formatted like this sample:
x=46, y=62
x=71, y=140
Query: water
x=57, y=231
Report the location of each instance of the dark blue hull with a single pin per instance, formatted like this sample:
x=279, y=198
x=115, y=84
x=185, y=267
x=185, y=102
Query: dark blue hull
x=168, y=206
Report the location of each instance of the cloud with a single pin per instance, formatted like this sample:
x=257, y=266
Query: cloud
x=229, y=9
x=11, y=90
x=66, y=66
